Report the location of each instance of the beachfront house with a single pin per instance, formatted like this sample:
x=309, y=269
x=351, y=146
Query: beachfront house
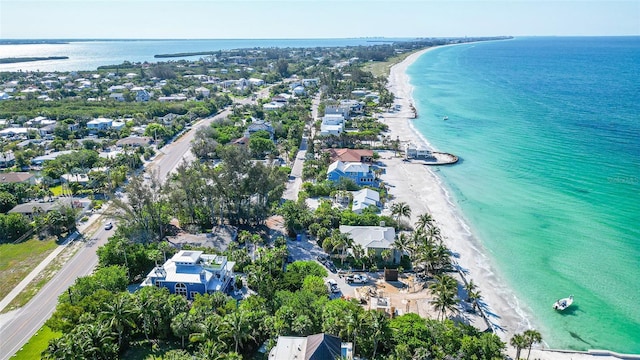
x=358, y=172
x=351, y=155
x=313, y=347
x=412, y=151
x=191, y=272
x=374, y=239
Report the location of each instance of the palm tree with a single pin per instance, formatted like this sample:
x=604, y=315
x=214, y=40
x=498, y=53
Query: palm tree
x=120, y=316
x=377, y=324
x=207, y=330
x=210, y=350
x=470, y=287
x=236, y=326
x=403, y=244
x=445, y=289
x=519, y=342
x=181, y=326
x=425, y=221
x=400, y=210
x=340, y=242
x=532, y=337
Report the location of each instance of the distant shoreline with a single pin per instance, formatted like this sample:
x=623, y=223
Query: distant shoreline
x=185, y=54
x=13, y=60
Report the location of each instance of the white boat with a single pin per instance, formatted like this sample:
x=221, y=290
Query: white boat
x=445, y=118
x=563, y=303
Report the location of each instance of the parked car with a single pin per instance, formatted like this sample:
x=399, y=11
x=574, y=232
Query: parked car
x=108, y=226
x=357, y=279
x=333, y=286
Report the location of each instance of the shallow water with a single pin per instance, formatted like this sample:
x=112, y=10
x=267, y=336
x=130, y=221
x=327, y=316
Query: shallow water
x=548, y=130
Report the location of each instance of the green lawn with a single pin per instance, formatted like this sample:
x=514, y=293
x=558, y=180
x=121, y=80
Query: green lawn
x=57, y=190
x=36, y=345
x=17, y=260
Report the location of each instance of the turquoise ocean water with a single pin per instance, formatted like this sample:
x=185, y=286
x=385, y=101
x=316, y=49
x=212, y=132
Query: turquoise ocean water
x=548, y=130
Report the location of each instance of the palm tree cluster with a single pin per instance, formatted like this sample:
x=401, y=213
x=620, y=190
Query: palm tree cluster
x=525, y=340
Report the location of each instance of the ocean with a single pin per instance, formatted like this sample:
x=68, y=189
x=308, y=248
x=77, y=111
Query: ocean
x=89, y=54
x=548, y=131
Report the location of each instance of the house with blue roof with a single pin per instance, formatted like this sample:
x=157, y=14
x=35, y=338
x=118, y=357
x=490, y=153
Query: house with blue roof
x=191, y=272
x=360, y=173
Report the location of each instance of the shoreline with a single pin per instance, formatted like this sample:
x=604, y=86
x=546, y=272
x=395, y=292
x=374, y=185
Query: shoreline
x=424, y=191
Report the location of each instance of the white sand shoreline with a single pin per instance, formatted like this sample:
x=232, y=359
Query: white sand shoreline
x=420, y=187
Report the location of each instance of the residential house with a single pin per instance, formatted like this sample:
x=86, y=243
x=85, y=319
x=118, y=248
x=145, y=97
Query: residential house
x=13, y=132
x=191, y=272
x=358, y=172
x=299, y=90
x=351, y=155
x=374, y=239
x=203, y=91
x=134, y=141
x=412, y=151
x=259, y=125
x=81, y=179
x=142, y=95
x=332, y=125
x=313, y=347
x=364, y=198
x=17, y=178
x=39, y=160
x=7, y=159
x=172, y=98
x=4, y=96
x=117, y=96
x=99, y=124
x=256, y=82
x=344, y=111
x=309, y=82
x=272, y=106
x=31, y=208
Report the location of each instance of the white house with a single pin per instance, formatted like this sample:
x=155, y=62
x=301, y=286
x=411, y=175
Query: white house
x=364, y=198
x=99, y=124
x=256, y=82
x=299, y=90
x=332, y=124
x=374, y=239
x=204, y=91
x=117, y=96
x=272, y=106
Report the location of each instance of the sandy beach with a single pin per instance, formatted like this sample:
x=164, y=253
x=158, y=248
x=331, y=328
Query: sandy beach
x=419, y=186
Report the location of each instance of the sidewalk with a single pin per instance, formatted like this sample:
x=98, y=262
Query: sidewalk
x=43, y=264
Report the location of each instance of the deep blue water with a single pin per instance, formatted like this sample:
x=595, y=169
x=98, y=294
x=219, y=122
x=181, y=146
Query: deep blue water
x=549, y=133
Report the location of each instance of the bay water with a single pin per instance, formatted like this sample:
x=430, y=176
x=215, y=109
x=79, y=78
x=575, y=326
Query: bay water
x=548, y=130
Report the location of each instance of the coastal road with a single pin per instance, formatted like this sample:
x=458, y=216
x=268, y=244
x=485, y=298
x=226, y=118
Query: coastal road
x=25, y=321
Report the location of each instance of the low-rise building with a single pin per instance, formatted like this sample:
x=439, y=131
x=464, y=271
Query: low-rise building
x=374, y=239
x=358, y=172
x=313, y=347
x=191, y=272
x=364, y=198
x=17, y=178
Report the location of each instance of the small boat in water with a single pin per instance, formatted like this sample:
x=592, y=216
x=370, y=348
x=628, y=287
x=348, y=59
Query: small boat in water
x=445, y=118
x=563, y=303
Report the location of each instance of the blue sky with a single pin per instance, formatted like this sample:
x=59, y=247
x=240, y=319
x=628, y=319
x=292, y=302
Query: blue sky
x=214, y=19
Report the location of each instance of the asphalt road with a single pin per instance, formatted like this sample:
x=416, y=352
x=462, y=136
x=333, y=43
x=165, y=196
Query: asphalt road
x=24, y=322
x=28, y=319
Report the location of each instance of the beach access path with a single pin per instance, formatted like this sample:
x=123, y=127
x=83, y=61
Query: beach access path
x=419, y=186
